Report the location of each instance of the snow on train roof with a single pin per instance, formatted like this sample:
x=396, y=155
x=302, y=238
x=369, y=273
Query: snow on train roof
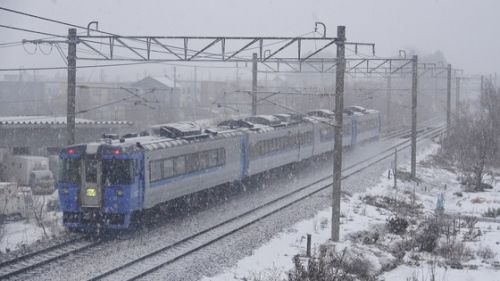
x=150, y=143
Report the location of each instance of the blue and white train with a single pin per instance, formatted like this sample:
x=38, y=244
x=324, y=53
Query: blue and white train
x=104, y=183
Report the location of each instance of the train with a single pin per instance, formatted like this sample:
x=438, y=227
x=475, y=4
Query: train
x=104, y=183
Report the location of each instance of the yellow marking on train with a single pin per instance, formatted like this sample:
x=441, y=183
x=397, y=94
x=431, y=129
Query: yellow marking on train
x=91, y=192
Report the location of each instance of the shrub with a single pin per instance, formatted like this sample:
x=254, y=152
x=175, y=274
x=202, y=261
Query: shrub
x=397, y=225
x=427, y=237
x=492, y=213
x=332, y=265
x=486, y=253
x=455, y=252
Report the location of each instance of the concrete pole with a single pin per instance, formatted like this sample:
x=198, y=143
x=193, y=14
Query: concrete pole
x=175, y=78
x=395, y=174
x=414, y=85
x=448, y=98
x=71, y=94
x=337, y=149
x=195, y=92
x=254, y=84
x=237, y=76
x=482, y=85
x=388, y=105
x=457, y=96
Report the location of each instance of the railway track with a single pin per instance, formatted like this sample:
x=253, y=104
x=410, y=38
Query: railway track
x=22, y=264
x=170, y=253
x=407, y=132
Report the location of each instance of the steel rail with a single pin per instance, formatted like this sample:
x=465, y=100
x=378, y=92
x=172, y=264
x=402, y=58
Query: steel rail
x=22, y=264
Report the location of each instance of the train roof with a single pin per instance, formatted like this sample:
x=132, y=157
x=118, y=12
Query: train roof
x=180, y=133
x=267, y=120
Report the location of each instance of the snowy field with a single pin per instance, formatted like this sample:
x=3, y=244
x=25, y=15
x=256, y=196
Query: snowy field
x=273, y=260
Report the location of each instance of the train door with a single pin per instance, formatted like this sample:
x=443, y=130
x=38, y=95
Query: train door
x=91, y=191
x=245, y=156
x=140, y=180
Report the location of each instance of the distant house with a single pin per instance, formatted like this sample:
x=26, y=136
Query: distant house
x=158, y=99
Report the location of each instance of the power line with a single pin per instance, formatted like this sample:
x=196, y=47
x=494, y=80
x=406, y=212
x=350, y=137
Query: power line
x=31, y=31
x=40, y=17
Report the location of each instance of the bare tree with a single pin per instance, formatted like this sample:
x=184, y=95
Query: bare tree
x=472, y=144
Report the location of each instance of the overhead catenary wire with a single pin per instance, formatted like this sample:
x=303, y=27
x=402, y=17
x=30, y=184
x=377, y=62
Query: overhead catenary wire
x=31, y=31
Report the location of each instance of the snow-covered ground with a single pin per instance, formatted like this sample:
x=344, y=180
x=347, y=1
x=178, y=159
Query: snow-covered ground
x=19, y=234
x=273, y=260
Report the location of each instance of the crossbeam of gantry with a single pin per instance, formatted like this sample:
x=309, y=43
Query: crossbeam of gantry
x=206, y=48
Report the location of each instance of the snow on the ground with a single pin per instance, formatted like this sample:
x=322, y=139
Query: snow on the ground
x=424, y=272
x=18, y=234
x=15, y=235
x=273, y=260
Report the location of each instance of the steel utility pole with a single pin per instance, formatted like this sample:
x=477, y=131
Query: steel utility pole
x=482, y=86
x=195, y=82
x=175, y=77
x=457, y=96
x=388, y=98
x=71, y=98
x=448, y=98
x=339, y=116
x=254, y=84
x=414, y=85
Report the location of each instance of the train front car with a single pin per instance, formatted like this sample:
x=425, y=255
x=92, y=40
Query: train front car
x=99, y=186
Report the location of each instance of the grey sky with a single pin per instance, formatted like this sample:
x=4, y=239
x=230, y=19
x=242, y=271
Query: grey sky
x=465, y=30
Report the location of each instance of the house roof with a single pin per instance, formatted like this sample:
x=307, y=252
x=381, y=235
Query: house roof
x=162, y=82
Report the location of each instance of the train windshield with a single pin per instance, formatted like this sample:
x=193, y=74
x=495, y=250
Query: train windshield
x=117, y=171
x=91, y=170
x=70, y=170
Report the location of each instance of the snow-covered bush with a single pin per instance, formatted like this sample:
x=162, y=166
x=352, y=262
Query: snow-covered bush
x=455, y=252
x=427, y=237
x=397, y=225
x=492, y=213
x=485, y=253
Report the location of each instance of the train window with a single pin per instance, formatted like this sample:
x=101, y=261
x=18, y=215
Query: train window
x=192, y=162
x=212, y=158
x=168, y=168
x=118, y=171
x=179, y=165
x=306, y=138
x=326, y=134
x=155, y=170
x=69, y=171
x=204, y=160
x=347, y=128
x=221, y=157
x=90, y=170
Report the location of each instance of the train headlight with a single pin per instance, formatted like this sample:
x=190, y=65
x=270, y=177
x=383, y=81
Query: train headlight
x=119, y=192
